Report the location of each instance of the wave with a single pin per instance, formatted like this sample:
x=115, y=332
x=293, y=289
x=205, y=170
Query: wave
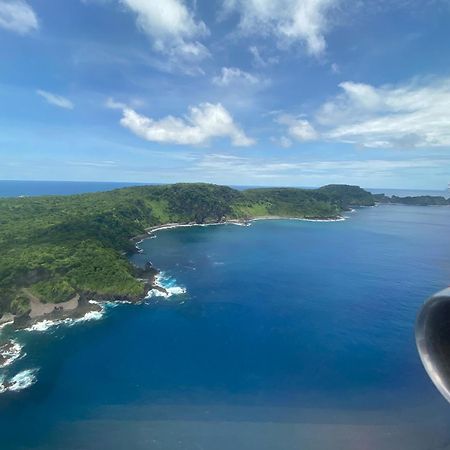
x=18, y=382
x=338, y=219
x=5, y=324
x=168, y=287
x=170, y=226
x=91, y=315
x=245, y=223
x=241, y=224
x=46, y=324
x=10, y=352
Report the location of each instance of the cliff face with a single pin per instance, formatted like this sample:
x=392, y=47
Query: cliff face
x=57, y=247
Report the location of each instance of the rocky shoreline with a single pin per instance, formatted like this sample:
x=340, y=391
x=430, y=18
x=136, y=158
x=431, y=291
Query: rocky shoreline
x=81, y=304
x=9, y=352
x=85, y=302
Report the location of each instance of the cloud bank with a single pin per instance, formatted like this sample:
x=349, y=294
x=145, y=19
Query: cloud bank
x=412, y=115
x=277, y=169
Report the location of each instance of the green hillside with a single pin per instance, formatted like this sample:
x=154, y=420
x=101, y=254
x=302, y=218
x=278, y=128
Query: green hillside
x=59, y=246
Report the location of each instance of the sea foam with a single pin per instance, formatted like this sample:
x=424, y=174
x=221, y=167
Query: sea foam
x=10, y=352
x=45, y=325
x=168, y=284
x=18, y=382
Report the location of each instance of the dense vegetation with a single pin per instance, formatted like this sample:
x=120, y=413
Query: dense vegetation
x=421, y=200
x=54, y=247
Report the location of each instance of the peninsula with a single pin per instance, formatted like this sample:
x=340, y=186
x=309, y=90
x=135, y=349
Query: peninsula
x=420, y=200
x=58, y=252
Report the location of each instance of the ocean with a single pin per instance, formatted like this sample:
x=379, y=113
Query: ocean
x=13, y=188
x=284, y=334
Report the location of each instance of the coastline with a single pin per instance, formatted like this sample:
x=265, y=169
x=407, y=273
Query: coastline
x=85, y=303
x=91, y=306
x=239, y=222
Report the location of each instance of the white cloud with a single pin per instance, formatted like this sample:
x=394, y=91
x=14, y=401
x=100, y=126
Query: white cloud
x=171, y=26
x=282, y=141
x=259, y=60
x=410, y=115
x=298, y=128
x=335, y=68
x=17, y=16
x=304, y=21
x=112, y=104
x=204, y=122
x=232, y=75
x=297, y=170
x=55, y=100
x=108, y=164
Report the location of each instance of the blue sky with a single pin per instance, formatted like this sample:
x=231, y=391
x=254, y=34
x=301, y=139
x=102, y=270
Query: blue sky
x=247, y=92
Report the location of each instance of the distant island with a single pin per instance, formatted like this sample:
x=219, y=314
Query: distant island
x=421, y=200
x=59, y=252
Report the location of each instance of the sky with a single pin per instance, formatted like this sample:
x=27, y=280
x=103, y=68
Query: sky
x=238, y=92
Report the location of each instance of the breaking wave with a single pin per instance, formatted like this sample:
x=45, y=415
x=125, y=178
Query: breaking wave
x=46, y=324
x=18, y=382
x=10, y=352
x=166, y=287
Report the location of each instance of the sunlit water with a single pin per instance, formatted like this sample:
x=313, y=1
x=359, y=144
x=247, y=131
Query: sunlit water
x=290, y=335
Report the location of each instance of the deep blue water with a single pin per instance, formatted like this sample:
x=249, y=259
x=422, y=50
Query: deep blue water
x=292, y=335
x=18, y=188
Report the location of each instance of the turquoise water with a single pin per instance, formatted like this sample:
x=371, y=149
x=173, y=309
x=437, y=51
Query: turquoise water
x=291, y=335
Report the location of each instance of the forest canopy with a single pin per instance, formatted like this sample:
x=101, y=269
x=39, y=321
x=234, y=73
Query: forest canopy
x=55, y=247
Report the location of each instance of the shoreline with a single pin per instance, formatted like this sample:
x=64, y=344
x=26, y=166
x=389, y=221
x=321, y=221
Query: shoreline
x=85, y=306
x=85, y=303
x=239, y=222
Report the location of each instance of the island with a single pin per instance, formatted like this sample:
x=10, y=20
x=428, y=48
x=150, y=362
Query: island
x=420, y=200
x=59, y=253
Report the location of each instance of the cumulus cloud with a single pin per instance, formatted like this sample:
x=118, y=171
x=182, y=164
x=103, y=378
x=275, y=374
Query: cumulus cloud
x=203, y=123
x=409, y=115
x=171, y=26
x=233, y=75
x=55, y=100
x=304, y=21
x=17, y=16
x=298, y=128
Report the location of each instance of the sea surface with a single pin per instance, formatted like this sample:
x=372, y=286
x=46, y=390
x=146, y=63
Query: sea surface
x=281, y=335
x=13, y=188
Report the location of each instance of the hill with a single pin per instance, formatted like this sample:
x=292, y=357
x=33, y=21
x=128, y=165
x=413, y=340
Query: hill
x=420, y=200
x=56, y=248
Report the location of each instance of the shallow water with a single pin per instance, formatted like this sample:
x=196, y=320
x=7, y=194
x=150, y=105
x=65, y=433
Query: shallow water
x=291, y=335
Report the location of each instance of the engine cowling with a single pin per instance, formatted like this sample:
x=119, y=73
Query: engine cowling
x=433, y=339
